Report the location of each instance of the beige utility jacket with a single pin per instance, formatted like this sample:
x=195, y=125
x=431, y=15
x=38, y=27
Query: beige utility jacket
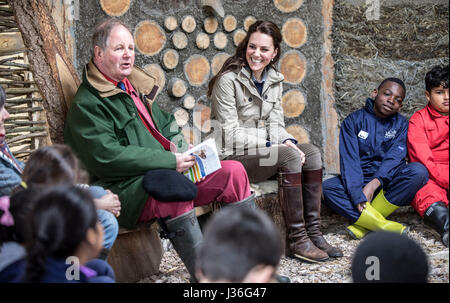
x=241, y=118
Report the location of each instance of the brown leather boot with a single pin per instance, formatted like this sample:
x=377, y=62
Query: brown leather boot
x=312, y=192
x=298, y=244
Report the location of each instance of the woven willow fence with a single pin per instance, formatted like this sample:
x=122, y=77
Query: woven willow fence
x=26, y=129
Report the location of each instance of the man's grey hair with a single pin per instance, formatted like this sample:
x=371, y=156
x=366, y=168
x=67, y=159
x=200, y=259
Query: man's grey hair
x=102, y=32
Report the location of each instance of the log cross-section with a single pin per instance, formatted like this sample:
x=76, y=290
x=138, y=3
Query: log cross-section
x=53, y=70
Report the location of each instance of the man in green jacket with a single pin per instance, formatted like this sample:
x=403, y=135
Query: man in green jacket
x=120, y=133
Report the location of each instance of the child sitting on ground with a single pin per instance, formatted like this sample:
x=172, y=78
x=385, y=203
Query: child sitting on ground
x=239, y=245
x=65, y=237
x=428, y=137
x=375, y=179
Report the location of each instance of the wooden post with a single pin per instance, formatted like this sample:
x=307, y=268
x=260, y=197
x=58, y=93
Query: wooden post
x=53, y=71
x=293, y=103
x=115, y=8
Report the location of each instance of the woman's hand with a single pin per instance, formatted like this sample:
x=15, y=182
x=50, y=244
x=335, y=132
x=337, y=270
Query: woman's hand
x=109, y=202
x=291, y=144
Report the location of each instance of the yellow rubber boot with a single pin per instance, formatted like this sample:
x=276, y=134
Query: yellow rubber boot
x=372, y=220
x=382, y=205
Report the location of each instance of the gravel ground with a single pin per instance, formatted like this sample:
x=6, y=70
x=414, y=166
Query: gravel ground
x=172, y=269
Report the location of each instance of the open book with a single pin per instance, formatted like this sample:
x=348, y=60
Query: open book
x=207, y=160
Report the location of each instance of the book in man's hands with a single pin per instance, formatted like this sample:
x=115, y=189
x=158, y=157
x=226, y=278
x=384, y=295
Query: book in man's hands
x=206, y=160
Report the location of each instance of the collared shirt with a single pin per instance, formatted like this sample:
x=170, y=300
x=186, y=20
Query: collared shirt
x=260, y=84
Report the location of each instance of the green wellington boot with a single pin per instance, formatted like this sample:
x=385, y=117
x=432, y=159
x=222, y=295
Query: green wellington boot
x=372, y=220
x=382, y=205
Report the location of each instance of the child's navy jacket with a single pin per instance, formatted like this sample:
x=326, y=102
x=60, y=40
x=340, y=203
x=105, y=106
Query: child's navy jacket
x=370, y=147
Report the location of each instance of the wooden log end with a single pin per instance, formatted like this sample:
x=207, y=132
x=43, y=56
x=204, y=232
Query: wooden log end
x=176, y=87
x=294, y=32
x=189, y=102
x=181, y=116
x=248, y=21
x=197, y=70
x=293, y=103
x=293, y=67
x=202, y=41
x=170, y=23
x=238, y=36
x=179, y=40
x=115, y=8
x=287, y=6
x=188, y=24
x=150, y=38
x=210, y=25
x=229, y=23
x=170, y=58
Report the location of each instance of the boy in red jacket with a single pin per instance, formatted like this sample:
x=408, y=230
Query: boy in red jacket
x=428, y=139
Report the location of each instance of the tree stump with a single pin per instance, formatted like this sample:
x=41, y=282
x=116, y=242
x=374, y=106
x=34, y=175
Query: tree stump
x=299, y=133
x=294, y=32
x=150, y=38
x=170, y=23
x=181, y=116
x=217, y=62
x=179, y=40
x=188, y=24
x=197, y=70
x=176, y=87
x=229, y=23
x=293, y=103
x=115, y=8
x=220, y=40
x=202, y=41
x=170, y=58
x=201, y=117
x=238, y=36
x=293, y=67
x=156, y=71
x=188, y=102
x=288, y=6
x=210, y=25
x=248, y=21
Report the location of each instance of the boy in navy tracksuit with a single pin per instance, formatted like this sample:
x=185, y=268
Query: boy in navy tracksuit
x=372, y=161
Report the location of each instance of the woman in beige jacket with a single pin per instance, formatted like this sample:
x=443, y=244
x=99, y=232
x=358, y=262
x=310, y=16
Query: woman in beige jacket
x=246, y=105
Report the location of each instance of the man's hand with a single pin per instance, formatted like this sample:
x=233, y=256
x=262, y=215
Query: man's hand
x=370, y=188
x=184, y=162
x=291, y=144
